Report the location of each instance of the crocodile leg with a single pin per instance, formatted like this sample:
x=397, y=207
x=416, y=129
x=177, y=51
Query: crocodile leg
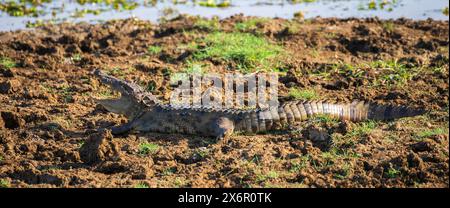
x=122, y=129
x=223, y=127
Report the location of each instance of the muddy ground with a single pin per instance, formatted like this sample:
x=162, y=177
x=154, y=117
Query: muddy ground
x=49, y=121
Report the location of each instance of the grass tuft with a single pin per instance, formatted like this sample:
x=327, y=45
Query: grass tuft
x=389, y=26
x=392, y=173
x=305, y=94
x=146, y=148
x=154, y=50
x=141, y=185
x=248, y=52
x=264, y=177
x=395, y=73
x=4, y=183
x=207, y=24
x=445, y=11
x=432, y=132
x=250, y=25
x=214, y=3
x=301, y=163
x=351, y=137
x=7, y=62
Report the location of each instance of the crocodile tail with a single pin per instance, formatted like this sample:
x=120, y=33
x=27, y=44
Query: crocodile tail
x=391, y=112
x=356, y=111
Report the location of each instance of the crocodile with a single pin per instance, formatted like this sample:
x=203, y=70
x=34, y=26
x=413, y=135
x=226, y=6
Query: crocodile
x=148, y=114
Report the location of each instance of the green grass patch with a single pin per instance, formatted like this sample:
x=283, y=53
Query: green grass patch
x=256, y=159
x=344, y=172
x=76, y=57
x=180, y=182
x=299, y=15
x=169, y=171
x=248, y=52
x=388, y=73
x=302, y=94
x=207, y=24
x=264, y=177
x=214, y=3
x=82, y=12
x=7, y=62
x=141, y=185
x=445, y=11
x=394, y=73
x=301, y=163
x=154, y=50
x=4, y=183
x=250, y=24
x=119, y=5
x=21, y=8
x=272, y=174
x=80, y=144
x=351, y=137
x=65, y=92
x=392, y=173
x=388, y=26
x=432, y=132
x=193, y=68
x=314, y=53
x=119, y=72
x=334, y=155
x=188, y=46
x=38, y=23
x=150, y=86
x=363, y=128
x=201, y=153
x=325, y=119
x=340, y=69
x=104, y=93
x=349, y=70
x=387, y=5
x=292, y=27
x=328, y=160
x=147, y=148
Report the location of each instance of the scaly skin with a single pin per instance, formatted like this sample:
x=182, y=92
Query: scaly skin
x=147, y=114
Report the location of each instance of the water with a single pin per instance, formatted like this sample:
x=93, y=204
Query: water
x=67, y=10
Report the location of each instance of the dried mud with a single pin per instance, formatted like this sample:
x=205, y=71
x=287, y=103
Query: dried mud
x=49, y=124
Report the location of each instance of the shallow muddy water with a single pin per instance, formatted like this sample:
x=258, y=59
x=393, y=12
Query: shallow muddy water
x=73, y=11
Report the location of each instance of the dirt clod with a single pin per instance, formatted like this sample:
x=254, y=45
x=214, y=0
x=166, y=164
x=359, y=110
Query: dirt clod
x=414, y=160
x=422, y=146
x=9, y=86
x=99, y=147
x=11, y=120
x=7, y=72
